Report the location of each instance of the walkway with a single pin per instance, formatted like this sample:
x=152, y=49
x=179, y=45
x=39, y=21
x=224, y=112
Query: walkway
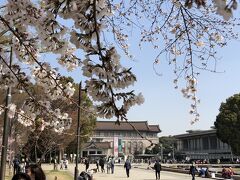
x=135, y=174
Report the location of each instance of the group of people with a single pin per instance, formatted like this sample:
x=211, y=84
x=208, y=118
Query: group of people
x=202, y=172
x=110, y=163
x=227, y=172
x=63, y=163
x=127, y=165
x=32, y=172
x=101, y=162
x=19, y=166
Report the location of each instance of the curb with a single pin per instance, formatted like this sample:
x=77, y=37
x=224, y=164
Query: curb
x=175, y=171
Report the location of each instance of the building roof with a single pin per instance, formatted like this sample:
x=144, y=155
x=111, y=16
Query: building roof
x=124, y=126
x=154, y=128
x=97, y=145
x=192, y=133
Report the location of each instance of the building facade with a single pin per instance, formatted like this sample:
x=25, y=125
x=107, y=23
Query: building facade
x=122, y=139
x=203, y=144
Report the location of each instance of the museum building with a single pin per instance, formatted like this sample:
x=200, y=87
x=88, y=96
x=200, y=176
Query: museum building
x=203, y=144
x=111, y=139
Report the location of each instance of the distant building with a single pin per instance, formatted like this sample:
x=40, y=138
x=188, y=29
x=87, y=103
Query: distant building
x=120, y=140
x=203, y=144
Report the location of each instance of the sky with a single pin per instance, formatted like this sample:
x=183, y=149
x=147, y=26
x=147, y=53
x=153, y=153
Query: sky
x=165, y=105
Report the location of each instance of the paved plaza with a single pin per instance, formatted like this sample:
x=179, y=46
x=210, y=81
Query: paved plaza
x=135, y=173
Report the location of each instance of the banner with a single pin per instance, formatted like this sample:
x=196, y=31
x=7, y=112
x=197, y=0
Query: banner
x=115, y=146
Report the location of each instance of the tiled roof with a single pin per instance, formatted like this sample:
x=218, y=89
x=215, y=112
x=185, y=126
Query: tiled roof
x=154, y=128
x=97, y=145
x=124, y=126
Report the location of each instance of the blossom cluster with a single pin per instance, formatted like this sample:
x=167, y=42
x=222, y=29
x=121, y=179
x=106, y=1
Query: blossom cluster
x=36, y=29
x=191, y=31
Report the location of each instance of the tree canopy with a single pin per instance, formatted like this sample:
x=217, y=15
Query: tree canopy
x=167, y=143
x=228, y=123
x=41, y=139
x=88, y=35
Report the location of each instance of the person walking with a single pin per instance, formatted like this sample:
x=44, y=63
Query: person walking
x=16, y=165
x=97, y=164
x=127, y=166
x=108, y=166
x=101, y=163
x=54, y=161
x=86, y=164
x=193, y=170
x=61, y=164
x=112, y=165
x=158, y=168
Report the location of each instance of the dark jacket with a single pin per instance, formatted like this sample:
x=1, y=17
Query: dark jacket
x=127, y=164
x=101, y=162
x=157, y=166
x=192, y=170
x=16, y=162
x=86, y=162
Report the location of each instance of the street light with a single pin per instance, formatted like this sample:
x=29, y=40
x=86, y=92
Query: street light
x=173, y=156
x=5, y=129
x=78, y=131
x=161, y=152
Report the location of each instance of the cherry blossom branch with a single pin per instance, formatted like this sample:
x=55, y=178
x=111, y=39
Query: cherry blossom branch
x=22, y=42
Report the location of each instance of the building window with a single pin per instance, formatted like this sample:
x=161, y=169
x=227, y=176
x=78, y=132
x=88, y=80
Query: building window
x=92, y=152
x=134, y=147
x=117, y=133
x=198, y=145
x=150, y=134
x=105, y=134
x=129, y=147
x=97, y=133
x=140, y=147
x=134, y=134
x=128, y=134
x=123, y=147
x=185, y=144
x=213, y=142
x=111, y=134
x=205, y=143
x=84, y=153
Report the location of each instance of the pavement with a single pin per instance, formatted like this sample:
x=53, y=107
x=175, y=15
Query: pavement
x=136, y=173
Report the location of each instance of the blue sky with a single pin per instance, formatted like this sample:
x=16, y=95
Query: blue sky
x=165, y=105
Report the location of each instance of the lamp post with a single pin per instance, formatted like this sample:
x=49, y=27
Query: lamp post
x=173, y=156
x=5, y=130
x=161, y=152
x=78, y=131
